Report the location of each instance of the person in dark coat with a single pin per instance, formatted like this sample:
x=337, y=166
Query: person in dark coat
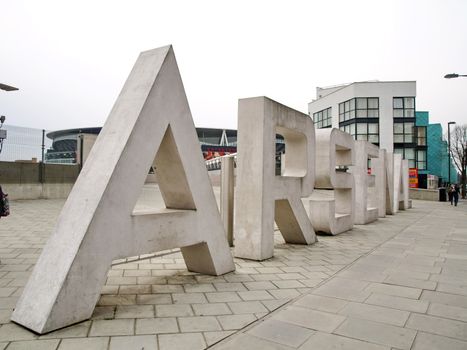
x=451, y=193
x=456, y=194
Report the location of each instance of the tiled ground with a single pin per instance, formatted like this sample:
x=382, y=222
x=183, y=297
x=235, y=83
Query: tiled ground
x=399, y=282
x=408, y=293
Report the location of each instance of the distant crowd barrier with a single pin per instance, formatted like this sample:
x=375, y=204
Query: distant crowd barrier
x=22, y=180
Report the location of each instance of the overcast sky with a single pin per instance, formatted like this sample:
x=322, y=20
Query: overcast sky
x=71, y=58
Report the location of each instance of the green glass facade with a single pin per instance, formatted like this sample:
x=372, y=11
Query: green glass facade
x=437, y=158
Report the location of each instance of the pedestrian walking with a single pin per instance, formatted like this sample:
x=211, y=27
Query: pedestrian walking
x=456, y=194
x=4, y=204
x=451, y=193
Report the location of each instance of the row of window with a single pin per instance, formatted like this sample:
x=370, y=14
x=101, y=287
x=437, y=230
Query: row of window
x=365, y=107
x=363, y=131
x=403, y=107
x=323, y=119
x=416, y=158
x=360, y=107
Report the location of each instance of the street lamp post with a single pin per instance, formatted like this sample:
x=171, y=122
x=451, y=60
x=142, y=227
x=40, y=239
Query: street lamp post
x=4, y=87
x=454, y=75
x=451, y=76
x=449, y=150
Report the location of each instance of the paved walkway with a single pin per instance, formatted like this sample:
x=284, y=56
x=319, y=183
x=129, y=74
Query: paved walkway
x=398, y=283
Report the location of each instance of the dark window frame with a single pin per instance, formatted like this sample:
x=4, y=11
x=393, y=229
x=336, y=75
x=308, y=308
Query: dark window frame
x=404, y=108
x=321, y=121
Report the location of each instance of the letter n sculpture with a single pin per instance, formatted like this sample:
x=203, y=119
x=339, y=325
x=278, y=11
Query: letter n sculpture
x=149, y=125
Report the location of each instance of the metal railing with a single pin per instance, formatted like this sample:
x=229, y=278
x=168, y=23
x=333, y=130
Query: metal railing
x=215, y=163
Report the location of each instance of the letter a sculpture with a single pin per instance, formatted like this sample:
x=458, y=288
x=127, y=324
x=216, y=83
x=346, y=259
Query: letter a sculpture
x=149, y=125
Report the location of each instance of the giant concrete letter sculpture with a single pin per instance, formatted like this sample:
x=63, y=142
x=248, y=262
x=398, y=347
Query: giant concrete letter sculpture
x=390, y=199
x=261, y=196
x=150, y=124
x=333, y=215
x=366, y=209
x=401, y=183
x=378, y=165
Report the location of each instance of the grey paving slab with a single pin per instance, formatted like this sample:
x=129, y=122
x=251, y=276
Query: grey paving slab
x=447, y=311
x=427, y=341
x=139, y=342
x=101, y=328
x=246, y=341
x=198, y=324
x=438, y=325
x=444, y=298
x=399, y=303
x=188, y=341
x=304, y=317
x=379, y=333
x=321, y=303
x=375, y=313
x=50, y=344
x=324, y=341
x=214, y=337
x=281, y=332
x=156, y=325
x=95, y=343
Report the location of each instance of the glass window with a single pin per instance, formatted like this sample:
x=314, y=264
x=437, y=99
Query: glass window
x=421, y=135
x=399, y=151
x=361, y=113
x=362, y=137
x=409, y=102
x=373, y=103
x=352, y=104
x=341, y=108
x=408, y=128
x=404, y=107
x=373, y=138
x=373, y=113
x=362, y=128
x=411, y=163
x=421, y=155
x=362, y=103
x=398, y=138
x=373, y=128
x=323, y=119
x=409, y=113
x=409, y=153
x=398, y=128
x=398, y=113
x=398, y=102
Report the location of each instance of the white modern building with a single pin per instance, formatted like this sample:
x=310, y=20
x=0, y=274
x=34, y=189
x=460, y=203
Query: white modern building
x=381, y=112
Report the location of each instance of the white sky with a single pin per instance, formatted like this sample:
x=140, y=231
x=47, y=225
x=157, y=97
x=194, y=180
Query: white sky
x=71, y=58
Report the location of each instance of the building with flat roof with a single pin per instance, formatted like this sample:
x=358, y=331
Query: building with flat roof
x=381, y=112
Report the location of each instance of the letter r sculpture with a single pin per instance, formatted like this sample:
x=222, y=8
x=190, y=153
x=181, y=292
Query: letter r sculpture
x=261, y=196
